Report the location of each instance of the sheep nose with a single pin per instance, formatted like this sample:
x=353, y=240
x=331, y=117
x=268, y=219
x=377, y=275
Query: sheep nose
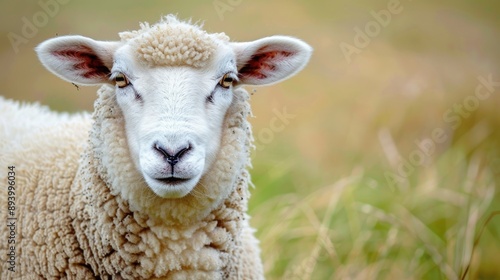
x=173, y=156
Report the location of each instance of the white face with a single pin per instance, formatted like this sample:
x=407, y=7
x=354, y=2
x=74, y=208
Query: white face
x=174, y=117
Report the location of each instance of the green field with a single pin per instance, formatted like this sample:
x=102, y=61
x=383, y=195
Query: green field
x=388, y=165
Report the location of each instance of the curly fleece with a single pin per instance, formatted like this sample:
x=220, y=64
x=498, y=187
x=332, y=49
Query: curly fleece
x=85, y=212
x=172, y=43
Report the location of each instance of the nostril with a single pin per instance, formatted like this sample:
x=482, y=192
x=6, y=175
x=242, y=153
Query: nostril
x=172, y=159
x=161, y=150
x=183, y=151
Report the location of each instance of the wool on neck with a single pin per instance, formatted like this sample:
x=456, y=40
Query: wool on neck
x=124, y=228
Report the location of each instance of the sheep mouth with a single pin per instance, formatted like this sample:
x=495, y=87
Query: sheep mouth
x=172, y=180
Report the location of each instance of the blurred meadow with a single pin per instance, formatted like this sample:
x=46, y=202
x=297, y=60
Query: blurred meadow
x=380, y=160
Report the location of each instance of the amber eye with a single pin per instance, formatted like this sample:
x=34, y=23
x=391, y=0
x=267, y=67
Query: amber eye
x=226, y=81
x=121, y=81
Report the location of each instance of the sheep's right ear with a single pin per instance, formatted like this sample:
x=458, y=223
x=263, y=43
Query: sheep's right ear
x=78, y=59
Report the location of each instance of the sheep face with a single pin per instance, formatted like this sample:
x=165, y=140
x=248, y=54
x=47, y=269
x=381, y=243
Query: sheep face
x=174, y=92
x=173, y=116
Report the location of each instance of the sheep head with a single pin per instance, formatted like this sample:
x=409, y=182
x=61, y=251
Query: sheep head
x=174, y=84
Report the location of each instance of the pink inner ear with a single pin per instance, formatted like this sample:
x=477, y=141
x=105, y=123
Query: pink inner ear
x=85, y=61
x=263, y=63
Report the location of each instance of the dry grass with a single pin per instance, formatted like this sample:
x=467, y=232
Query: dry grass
x=338, y=232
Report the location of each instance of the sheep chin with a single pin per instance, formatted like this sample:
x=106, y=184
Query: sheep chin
x=172, y=187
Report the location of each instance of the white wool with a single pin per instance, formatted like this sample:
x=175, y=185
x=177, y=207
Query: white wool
x=34, y=118
x=173, y=43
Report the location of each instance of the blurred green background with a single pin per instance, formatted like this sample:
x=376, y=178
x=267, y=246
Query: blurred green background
x=388, y=166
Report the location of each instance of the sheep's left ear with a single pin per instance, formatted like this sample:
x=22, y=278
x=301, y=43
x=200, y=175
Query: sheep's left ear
x=270, y=60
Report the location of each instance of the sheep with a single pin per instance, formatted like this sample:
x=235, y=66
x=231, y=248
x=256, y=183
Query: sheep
x=154, y=183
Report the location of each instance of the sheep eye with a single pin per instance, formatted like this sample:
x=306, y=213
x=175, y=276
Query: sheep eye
x=226, y=81
x=121, y=81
